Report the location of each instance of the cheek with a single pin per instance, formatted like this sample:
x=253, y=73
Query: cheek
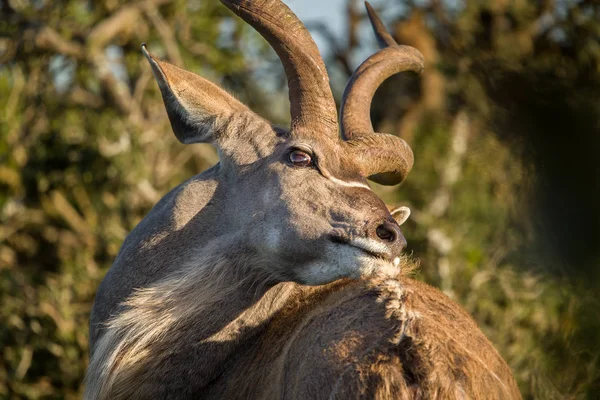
x=310, y=199
x=295, y=218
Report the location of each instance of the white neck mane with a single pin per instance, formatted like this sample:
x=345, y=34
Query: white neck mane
x=213, y=302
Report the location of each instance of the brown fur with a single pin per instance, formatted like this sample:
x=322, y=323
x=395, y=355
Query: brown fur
x=375, y=338
x=378, y=338
x=208, y=297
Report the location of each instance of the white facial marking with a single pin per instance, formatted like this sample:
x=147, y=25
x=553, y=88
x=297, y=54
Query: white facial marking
x=396, y=261
x=370, y=245
x=345, y=262
x=348, y=184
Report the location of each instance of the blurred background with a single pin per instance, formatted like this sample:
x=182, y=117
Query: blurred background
x=505, y=193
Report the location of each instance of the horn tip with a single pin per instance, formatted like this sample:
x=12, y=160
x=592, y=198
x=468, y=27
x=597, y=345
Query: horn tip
x=370, y=10
x=381, y=33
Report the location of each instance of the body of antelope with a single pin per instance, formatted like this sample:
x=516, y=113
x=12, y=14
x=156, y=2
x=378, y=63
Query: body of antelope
x=278, y=273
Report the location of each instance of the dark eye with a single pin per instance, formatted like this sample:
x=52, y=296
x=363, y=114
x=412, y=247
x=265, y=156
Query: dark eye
x=300, y=158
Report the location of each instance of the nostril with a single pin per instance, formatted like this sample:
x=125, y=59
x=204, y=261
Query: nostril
x=387, y=231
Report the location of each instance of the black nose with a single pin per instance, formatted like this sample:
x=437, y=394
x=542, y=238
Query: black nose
x=390, y=233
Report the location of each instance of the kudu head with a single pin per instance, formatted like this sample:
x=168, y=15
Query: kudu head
x=297, y=200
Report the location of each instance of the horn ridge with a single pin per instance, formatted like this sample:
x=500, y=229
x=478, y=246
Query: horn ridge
x=366, y=79
x=312, y=106
x=383, y=158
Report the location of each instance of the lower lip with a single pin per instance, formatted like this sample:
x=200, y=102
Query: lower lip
x=374, y=255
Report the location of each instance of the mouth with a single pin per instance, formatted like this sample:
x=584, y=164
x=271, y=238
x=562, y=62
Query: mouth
x=368, y=246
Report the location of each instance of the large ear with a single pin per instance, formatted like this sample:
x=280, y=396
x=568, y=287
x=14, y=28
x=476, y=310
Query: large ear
x=196, y=107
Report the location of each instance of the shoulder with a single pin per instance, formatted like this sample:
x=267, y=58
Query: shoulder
x=393, y=337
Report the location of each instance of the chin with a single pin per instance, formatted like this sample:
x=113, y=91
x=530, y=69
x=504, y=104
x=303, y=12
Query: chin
x=346, y=262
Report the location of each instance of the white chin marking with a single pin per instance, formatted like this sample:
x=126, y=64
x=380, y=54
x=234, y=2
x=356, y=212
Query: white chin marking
x=345, y=261
x=348, y=184
x=370, y=245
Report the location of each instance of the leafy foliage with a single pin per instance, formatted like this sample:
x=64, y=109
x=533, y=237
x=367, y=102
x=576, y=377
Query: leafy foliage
x=504, y=124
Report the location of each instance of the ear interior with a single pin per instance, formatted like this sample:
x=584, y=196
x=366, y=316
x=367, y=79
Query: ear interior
x=193, y=103
x=400, y=214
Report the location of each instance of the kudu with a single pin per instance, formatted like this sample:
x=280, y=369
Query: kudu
x=277, y=272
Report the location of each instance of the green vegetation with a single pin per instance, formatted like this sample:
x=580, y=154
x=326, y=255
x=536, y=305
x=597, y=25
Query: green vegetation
x=504, y=123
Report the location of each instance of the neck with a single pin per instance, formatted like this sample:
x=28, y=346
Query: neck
x=192, y=322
